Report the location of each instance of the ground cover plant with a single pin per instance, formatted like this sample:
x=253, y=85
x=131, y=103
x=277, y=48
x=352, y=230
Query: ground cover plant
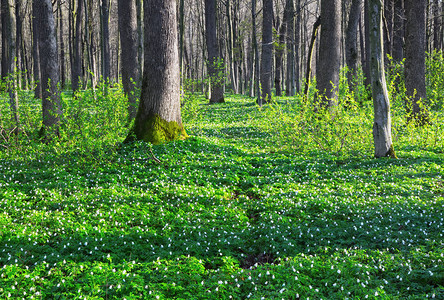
x=259, y=203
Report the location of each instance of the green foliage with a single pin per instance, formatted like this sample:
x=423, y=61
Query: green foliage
x=262, y=202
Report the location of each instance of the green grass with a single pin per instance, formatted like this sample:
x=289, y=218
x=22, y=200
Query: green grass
x=258, y=203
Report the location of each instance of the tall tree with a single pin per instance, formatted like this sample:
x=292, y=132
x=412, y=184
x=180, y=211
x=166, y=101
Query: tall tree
x=158, y=117
x=398, y=31
x=351, y=39
x=35, y=52
x=291, y=53
x=62, y=45
x=215, y=63
x=414, y=71
x=382, y=125
x=128, y=42
x=256, y=63
x=437, y=34
x=49, y=66
x=76, y=70
x=327, y=70
x=9, y=48
x=267, y=50
x=106, y=65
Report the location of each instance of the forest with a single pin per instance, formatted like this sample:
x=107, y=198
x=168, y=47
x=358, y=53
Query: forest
x=221, y=149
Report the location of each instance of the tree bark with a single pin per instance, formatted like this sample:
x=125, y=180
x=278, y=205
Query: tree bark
x=76, y=70
x=256, y=73
x=351, y=40
x=437, y=37
x=290, y=45
x=398, y=31
x=106, y=64
x=215, y=63
x=414, y=71
x=36, y=53
x=314, y=34
x=267, y=51
x=51, y=107
x=327, y=70
x=382, y=135
x=62, y=46
x=128, y=42
x=158, y=118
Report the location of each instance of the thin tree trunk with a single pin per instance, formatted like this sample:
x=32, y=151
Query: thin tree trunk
x=18, y=42
x=256, y=53
x=382, y=121
x=366, y=67
x=267, y=51
x=128, y=40
x=106, y=65
x=36, y=54
x=436, y=26
x=290, y=44
x=398, y=31
x=77, y=65
x=62, y=46
x=351, y=42
x=316, y=26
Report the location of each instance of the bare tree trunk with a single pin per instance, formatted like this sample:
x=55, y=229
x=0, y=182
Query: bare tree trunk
x=18, y=42
x=36, y=53
x=139, y=37
x=9, y=31
x=62, y=46
x=436, y=26
x=327, y=69
x=256, y=53
x=77, y=65
x=128, y=41
x=49, y=65
x=290, y=44
x=382, y=125
x=267, y=51
x=398, y=31
x=351, y=42
x=106, y=65
x=388, y=18
x=316, y=26
x=415, y=47
x=366, y=67
x=215, y=64
x=158, y=118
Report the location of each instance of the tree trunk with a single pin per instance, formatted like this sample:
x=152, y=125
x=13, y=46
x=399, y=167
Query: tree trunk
x=327, y=69
x=106, y=65
x=289, y=8
x=256, y=73
x=351, y=42
x=139, y=37
x=388, y=18
x=49, y=65
x=382, y=135
x=267, y=51
x=9, y=32
x=436, y=26
x=36, y=53
x=366, y=67
x=62, y=46
x=215, y=63
x=398, y=31
x=128, y=42
x=314, y=34
x=18, y=41
x=158, y=118
x=76, y=70
x=290, y=44
x=414, y=71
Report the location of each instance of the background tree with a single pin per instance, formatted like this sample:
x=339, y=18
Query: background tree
x=104, y=16
x=76, y=72
x=215, y=62
x=130, y=64
x=267, y=51
x=158, y=118
x=351, y=39
x=382, y=124
x=49, y=66
x=414, y=71
x=327, y=71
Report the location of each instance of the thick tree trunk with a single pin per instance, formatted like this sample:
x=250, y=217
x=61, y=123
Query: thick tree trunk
x=267, y=51
x=327, y=70
x=18, y=41
x=382, y=135
x=351, y=40
x=49, y=65
x=398, y=31
x=106, y=65
x=314, y=34
x=128, y=42
x=76, y=70
x=139, y=12
x=36, y=54
x=158, y=118
x=414, y=71
x=437, y=37
x=215, y=63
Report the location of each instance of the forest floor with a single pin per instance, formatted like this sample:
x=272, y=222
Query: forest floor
x=259, y=203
